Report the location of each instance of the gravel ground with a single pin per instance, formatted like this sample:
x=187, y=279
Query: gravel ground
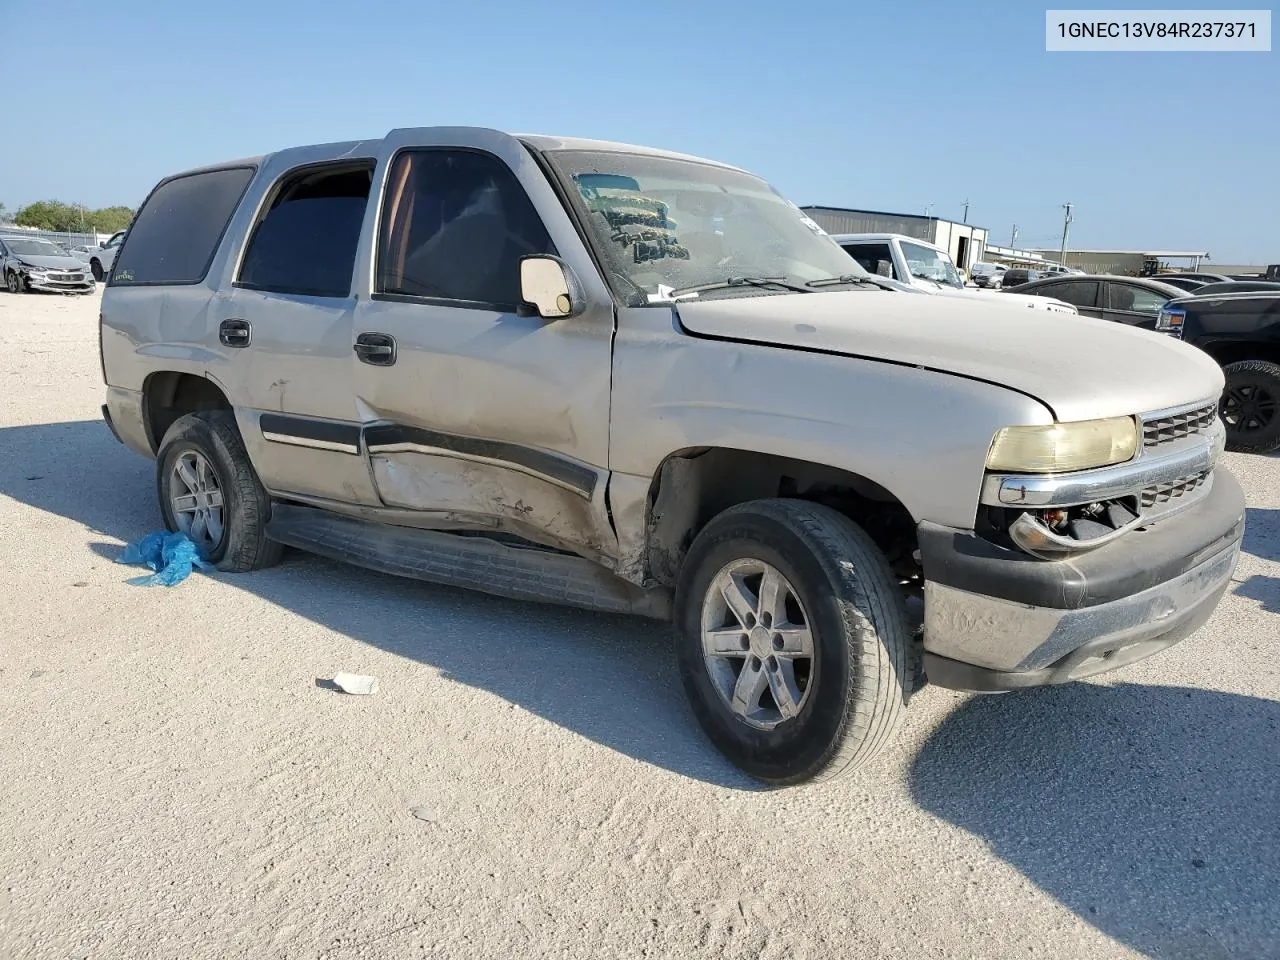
x=176, y=784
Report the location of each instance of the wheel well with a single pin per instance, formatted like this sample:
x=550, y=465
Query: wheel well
x=170, y=395
x=1233, y=351
x=693, y=486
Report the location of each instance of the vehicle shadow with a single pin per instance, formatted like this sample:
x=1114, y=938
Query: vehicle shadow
x=1262, y=533
x=1150, y=812
x=608, y=678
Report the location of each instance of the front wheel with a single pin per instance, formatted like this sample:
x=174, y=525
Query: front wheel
x=791, y=640
x=208, y=490
x=1250, y=406
x=98, y=272
x=14, y=283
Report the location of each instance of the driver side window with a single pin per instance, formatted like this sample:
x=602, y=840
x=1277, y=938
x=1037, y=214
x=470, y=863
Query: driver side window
x=455, y=224
x=875, y=258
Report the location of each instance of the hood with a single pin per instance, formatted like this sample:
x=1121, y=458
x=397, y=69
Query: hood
x=53, y=263
x=1081, y=368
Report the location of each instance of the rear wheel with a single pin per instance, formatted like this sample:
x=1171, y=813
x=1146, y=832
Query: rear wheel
x=209, y=491
x=96, y=266
x=792, y=640
x=1250, y=406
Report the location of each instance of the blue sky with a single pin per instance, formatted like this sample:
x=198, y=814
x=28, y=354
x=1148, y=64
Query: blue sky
x=887, y=106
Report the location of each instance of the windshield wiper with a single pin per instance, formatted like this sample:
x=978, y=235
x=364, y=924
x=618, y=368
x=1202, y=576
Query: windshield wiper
x=741, y=282
x=852, y=278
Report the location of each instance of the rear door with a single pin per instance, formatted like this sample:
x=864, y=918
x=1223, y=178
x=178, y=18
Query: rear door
x=284, y=331
x=1132, y=304
x=478, y=414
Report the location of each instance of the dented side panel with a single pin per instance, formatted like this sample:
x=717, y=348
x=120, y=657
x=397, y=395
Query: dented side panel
x=921, y=435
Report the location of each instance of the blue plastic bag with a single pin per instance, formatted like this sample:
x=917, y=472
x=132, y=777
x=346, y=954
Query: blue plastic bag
x=170, y=555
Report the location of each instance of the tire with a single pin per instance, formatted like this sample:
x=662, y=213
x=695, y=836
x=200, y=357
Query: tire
x=14, y=283
x=856, y=681
x=242, y=543
x=98, y=273
x=1250, y=406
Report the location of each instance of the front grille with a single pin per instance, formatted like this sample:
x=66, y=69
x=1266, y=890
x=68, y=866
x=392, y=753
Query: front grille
x=1178, y=425
x=1164, y=492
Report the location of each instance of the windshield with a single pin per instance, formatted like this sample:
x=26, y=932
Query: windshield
x=930, y=264
x=34, y=248
x=659, y=224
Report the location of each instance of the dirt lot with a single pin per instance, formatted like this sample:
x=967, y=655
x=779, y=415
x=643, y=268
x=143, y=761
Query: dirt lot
x=175, y=783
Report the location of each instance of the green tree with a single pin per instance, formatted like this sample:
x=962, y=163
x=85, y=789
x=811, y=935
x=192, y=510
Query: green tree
x=68, y=217
x=111, y=219
x=4, y=213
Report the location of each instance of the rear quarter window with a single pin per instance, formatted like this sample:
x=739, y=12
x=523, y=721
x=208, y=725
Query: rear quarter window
x=176, y=233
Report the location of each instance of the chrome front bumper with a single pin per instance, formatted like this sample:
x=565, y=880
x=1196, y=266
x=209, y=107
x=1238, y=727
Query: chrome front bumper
x=998, y=620
x=46, y=284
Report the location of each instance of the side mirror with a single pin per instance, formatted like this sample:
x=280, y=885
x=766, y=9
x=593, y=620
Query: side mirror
x=549, y=285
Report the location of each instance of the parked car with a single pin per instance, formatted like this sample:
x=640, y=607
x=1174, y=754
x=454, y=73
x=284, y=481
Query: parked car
x=1132, y=300
x=1017, y=276
x=629, y=380
x=987, y=275
x=1193, y=275
x=1236, y=286
x=1241, y=331
x=1058, y=269
x=1182, y=281
x=925, y=266
x=32, y=263
x=100, y=260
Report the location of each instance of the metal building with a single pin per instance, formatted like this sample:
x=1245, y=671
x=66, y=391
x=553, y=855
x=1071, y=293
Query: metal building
x=965, y=242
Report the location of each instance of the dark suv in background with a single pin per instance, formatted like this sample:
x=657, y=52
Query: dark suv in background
x=1242, y=332
x=1017, y=276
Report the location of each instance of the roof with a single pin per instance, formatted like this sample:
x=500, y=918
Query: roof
x=870, y=213
x=1176, y=254
x=540, y=141
x=839, y=237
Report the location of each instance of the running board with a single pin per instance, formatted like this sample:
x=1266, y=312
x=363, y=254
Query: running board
x=471, y=562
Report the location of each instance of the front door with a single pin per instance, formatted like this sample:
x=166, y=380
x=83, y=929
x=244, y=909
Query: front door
x=476, y=413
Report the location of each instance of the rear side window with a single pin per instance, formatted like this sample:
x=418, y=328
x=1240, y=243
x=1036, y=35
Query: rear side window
x=305, y=242
x=177, y=231
x=874, y=258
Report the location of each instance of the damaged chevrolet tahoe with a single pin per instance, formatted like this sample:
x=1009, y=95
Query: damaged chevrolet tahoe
x=634, y=381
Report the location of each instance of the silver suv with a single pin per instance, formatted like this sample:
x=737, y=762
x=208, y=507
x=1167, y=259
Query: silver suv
x=628, y=380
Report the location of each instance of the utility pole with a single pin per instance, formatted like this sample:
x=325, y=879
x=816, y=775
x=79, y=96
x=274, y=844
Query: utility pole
x=927, y=208
x=966, y=211
x=1013, y=243
x=1066, y=225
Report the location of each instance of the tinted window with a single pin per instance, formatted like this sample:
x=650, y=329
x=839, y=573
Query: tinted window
x=874, y=258
x=454, y=227
x=306, y=242
x=1126, y=296
x=1083, y=293
x=176, y=233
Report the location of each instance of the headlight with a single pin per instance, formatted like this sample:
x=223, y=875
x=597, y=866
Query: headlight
x=1171, y=318
x=31, y=267
x=1062, y=447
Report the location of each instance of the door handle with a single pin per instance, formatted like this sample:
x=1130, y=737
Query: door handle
x=235, y=333
x=378, y=349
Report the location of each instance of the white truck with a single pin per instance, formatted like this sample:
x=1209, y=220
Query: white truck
x=928, y=268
